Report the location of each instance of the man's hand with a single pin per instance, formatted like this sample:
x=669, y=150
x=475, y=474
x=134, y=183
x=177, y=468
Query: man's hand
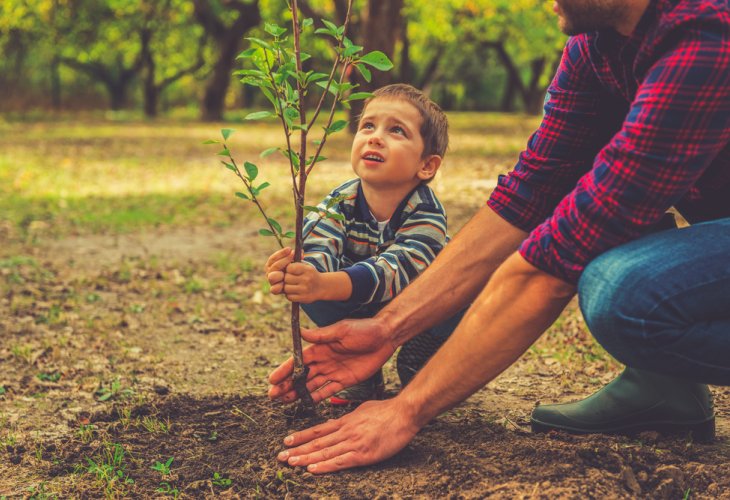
x=354, y=440
x=342, y=355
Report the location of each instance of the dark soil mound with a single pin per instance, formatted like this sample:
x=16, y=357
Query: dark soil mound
x=224, y=446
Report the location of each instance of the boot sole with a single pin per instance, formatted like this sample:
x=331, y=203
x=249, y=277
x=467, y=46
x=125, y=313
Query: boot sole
x=703, y=431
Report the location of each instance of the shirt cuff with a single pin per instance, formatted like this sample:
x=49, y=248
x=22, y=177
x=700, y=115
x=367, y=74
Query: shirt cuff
x=363, y=282
x=542, y=250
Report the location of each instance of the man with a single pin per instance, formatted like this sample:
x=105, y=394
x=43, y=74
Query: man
x=638, y=121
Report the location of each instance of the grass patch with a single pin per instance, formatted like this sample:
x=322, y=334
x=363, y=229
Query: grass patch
x=94, y=174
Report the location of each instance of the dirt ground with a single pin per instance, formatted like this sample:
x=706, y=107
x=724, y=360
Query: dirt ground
x=134, y=365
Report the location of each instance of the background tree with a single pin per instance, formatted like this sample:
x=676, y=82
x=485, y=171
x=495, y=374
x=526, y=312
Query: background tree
x=376, y=25
x=226, y=21
x=166, y=54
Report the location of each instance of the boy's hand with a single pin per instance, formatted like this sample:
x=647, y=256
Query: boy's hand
x=275, y=269
x=303, y=283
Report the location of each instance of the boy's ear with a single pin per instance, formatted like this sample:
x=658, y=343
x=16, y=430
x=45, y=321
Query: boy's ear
x=429, y=168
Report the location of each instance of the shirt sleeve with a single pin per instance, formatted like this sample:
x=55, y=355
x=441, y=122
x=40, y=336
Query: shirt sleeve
x=416, y=244
x=677, y=124
x=580, y=117
x=324, y=244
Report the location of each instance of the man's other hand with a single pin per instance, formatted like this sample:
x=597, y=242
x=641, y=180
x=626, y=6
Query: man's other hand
x=376, y=430
x=340, y=356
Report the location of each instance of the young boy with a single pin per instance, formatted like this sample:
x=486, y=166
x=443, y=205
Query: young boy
x=393, y=228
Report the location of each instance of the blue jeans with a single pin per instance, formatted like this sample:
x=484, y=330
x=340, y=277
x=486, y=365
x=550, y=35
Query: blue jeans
x=662, y=302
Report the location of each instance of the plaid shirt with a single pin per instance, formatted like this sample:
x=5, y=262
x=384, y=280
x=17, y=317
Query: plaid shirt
x=633, y=126
x=380, y=264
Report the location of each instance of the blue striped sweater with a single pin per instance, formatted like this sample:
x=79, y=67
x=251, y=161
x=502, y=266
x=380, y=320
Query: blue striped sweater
x=379, y=264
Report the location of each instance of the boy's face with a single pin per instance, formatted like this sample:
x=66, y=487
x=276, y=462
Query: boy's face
x=387, y=149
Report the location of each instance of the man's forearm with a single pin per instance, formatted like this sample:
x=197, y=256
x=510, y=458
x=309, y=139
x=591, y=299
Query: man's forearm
x=452, y=281
x=517, y=306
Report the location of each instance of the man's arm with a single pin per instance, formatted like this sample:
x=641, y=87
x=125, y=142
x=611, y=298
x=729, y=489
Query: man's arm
x=341, y=354
x=518, y=304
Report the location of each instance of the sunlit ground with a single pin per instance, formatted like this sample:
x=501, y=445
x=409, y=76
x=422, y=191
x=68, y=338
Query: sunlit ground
x=80, y=175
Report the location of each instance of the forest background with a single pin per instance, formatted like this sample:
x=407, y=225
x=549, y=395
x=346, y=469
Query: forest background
x=177, y=56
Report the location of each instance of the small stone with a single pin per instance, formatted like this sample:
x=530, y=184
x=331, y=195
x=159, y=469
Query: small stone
x=629, y=480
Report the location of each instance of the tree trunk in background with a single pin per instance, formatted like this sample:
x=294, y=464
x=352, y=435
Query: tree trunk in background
x=115, y=77
x=383, y=27
x=534, y=95
x=228, y=39
x=55, y=84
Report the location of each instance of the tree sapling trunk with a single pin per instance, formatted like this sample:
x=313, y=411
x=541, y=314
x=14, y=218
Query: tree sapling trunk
x=275, y=68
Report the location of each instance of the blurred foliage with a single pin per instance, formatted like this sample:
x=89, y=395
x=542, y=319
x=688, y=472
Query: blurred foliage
x=90, y=54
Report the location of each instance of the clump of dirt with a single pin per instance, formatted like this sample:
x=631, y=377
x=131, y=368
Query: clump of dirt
x=226, y=446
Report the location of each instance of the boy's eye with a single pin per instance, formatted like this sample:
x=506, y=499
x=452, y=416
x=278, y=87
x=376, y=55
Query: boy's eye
x=398, y=130
x=367, y=125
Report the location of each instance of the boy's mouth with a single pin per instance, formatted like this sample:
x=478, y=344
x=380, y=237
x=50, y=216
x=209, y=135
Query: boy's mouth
x=372, y=156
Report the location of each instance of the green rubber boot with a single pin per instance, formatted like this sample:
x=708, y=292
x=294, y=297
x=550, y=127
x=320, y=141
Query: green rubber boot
x=635, y=401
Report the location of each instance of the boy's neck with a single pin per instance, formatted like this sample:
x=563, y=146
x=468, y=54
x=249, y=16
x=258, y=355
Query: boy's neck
x=383, y=202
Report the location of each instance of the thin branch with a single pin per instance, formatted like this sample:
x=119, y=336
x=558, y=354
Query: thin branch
x=253, y=198
x=329, y=121
x=287, y=133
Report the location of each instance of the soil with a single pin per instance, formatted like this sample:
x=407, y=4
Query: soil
x=121, y=352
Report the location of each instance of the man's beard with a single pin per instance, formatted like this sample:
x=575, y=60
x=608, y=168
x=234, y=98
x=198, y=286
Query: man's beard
x=583, y=16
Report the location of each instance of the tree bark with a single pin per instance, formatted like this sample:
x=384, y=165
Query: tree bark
x=383, y=28
x=116, y=78
x=227, y=39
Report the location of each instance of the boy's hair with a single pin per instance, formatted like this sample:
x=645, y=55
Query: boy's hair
x=434, y=125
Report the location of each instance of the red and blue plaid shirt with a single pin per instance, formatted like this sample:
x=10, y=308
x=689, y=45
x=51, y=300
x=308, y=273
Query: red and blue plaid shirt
x=633, y=126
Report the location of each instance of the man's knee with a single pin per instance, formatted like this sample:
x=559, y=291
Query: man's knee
x=613, y=303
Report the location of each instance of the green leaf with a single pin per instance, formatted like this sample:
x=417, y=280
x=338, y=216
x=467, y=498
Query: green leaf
x=336, y=126
x=291, y=115
x=306, y=23
x=258, y=115
x=330, y=25
x=226, y=133
x=356, y=96
x=211, y=141
x=275, y=225
x=242, y=195
x=289, y=234
x=262, y=187
x=274, y=29
x=267, y=152
x=229, y=166
x=265, y=232
x=351, y=50
x=332, y=215
x=332, y=87
x=377, y=60
x=251, y=169
x=224, y=152
x=365, y=72
x=260, y=43
x=247, y=53
x=312, y=160
x=308, y=208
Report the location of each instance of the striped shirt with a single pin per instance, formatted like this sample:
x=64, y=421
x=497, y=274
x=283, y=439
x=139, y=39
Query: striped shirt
x=380, y=264
x=634, y=125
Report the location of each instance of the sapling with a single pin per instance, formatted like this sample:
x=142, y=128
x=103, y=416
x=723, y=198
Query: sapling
x=277, y=71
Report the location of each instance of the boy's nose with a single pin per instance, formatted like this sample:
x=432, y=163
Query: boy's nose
x=375, y=139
